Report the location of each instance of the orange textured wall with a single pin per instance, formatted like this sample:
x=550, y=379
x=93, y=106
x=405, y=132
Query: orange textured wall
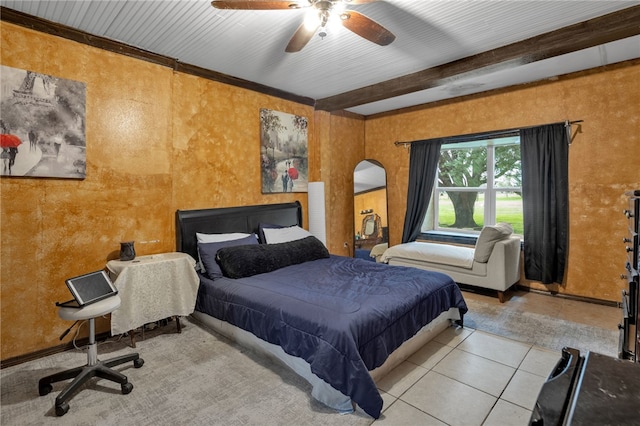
x=216, y=144
x=604, y=159
x=345, y=151
x=157, y=141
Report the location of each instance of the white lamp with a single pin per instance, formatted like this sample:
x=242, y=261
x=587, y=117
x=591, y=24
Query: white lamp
x=317, y=224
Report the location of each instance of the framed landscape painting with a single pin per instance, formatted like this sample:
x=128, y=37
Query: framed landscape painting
x=42, y=120
x=283, y=152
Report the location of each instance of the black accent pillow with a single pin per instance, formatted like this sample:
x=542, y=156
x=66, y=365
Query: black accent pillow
x=249, y=260
x=208, y=251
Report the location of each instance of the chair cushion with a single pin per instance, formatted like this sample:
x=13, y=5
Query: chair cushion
x=93, y=310
x=489, y=236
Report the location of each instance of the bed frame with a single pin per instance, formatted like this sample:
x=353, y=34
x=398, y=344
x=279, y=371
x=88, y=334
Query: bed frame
x=246, y=219
x=231, y=219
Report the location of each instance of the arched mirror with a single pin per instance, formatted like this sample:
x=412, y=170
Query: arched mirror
x=371, y=235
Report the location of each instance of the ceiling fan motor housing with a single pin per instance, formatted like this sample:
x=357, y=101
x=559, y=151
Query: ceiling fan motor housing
x=352, y=20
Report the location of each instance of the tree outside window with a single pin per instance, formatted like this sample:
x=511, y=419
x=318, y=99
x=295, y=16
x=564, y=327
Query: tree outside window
x=478, y=183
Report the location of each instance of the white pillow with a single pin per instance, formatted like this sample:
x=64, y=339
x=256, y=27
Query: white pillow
x=489, y=236
x=284, y=235
x=216, y=238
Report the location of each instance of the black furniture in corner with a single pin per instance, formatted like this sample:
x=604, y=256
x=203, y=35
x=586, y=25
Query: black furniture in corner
x=593, y=389
x=629, y=342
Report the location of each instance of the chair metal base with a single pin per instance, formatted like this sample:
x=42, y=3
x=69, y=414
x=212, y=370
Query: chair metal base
x=80, y=375
x=93, y=368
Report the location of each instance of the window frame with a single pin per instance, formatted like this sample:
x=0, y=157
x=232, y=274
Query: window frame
x=430, y=226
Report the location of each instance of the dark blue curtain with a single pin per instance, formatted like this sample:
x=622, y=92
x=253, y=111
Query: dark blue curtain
x=545, y=153
x=423, y=165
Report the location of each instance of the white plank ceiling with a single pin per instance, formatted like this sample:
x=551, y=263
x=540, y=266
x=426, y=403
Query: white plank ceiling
x=249, y=45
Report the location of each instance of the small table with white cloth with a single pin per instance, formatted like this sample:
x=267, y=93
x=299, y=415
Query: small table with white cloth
x=152, y=288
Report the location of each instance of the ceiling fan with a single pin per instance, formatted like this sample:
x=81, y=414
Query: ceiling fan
x=320, y=11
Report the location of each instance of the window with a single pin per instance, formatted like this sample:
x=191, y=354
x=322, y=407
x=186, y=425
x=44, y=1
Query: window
x=478, y=183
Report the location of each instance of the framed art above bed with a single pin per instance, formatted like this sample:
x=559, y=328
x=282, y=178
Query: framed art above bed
x=283, y=152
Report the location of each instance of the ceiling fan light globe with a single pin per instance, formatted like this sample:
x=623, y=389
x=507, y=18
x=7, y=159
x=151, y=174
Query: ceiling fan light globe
x=338, y=8
x=334, y=23
x=312, y=19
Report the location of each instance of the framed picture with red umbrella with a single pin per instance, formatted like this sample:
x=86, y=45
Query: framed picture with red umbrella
x=42, y=125
x=283, y=152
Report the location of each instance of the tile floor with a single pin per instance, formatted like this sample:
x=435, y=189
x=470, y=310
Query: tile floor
x=469, y=377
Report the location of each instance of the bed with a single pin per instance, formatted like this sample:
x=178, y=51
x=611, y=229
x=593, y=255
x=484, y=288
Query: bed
x=341, y=323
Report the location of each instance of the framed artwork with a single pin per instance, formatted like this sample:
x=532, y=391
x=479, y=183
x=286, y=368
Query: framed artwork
x=42, y=120
x=283, y=152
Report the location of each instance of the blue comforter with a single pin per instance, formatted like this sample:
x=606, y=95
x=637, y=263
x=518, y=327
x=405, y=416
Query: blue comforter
x=343, y=316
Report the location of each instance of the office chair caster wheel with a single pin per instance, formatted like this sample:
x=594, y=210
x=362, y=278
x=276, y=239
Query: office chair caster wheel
x=62, y=409
x=45, y=389
x=138, y=363
x=127, y=388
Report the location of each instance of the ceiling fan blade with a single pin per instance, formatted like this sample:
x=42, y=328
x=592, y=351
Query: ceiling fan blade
x=300, y=38
x=257, y=4
x=367, y=28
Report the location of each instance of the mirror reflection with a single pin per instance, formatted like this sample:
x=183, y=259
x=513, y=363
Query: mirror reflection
x=370, y=210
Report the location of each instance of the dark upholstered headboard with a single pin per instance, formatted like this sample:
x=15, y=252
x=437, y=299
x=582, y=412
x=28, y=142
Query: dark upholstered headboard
x=231, y=219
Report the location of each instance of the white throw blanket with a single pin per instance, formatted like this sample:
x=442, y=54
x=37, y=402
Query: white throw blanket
x=431, y=252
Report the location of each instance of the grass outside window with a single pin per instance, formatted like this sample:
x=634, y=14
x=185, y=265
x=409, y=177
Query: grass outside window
x=508, y=209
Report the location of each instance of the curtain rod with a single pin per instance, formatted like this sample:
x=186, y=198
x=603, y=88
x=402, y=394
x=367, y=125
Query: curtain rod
x=478, y=136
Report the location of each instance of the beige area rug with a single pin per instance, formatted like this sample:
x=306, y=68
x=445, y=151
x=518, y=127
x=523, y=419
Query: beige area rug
x=194, y=378
x=540, y=330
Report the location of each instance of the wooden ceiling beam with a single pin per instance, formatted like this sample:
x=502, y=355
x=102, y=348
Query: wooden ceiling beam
x=594, y=32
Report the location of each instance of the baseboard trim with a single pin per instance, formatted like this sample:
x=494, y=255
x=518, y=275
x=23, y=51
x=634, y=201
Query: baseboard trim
x=488, y=292
x=10, y=362
x=570, y=296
